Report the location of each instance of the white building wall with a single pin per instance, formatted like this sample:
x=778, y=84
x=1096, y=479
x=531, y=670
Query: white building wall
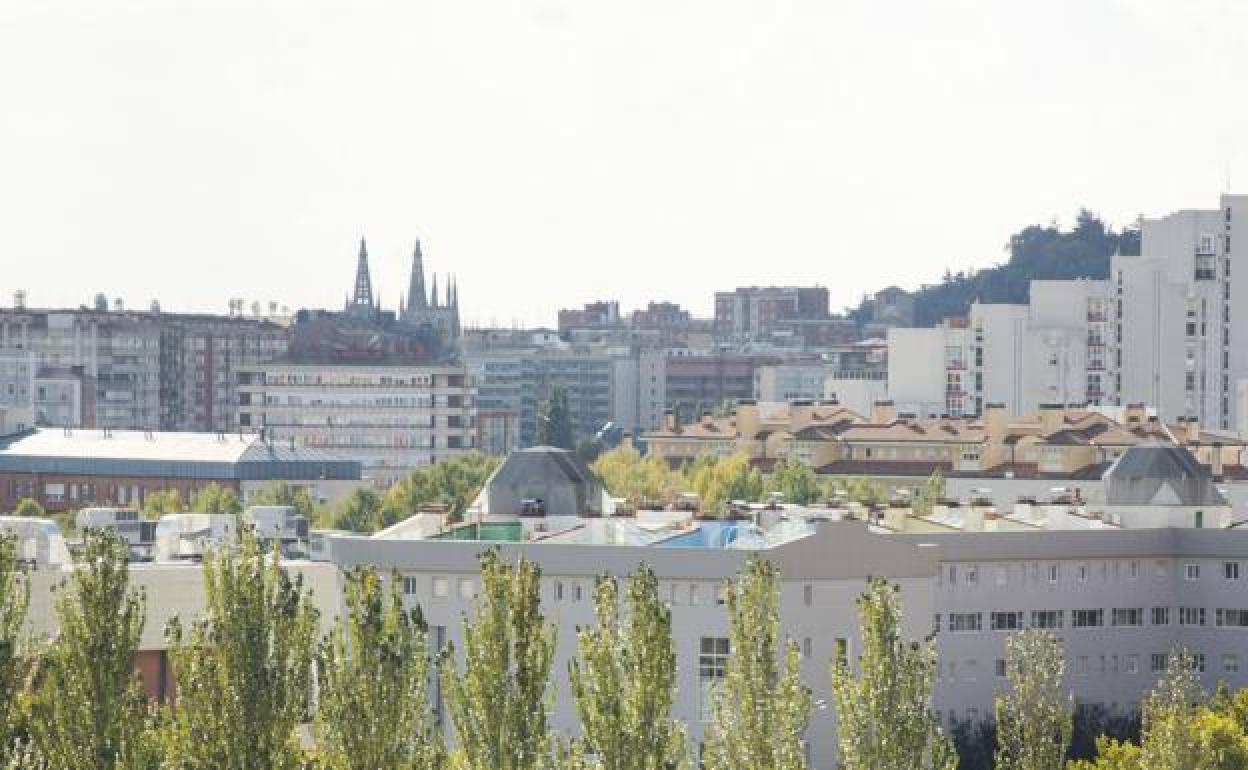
x=917, y=375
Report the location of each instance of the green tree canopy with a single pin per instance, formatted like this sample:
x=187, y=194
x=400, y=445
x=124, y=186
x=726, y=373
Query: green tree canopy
x=795, y=480
x=28, y=506
x=760, y=712
x=624, y=680
x=554, y=420
x=14, y=603
x=1034, y=717
x=374, y=709
x=214, y=498
x=89, y=710
x=883, y=712
x=158, y=503
x=500, y=699
x=283, y=493
x=244, y=669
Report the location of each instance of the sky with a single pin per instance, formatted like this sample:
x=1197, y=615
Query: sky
x=552, y=153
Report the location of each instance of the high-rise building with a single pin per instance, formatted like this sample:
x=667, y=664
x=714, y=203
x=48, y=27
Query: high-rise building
x=1179, y=317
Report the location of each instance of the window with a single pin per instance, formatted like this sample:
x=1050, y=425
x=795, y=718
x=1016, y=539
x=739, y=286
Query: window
x=1224, y=618
x=808, y=595
x=965, y=621
x=1191, y=616
x=1199, y=659
x=1081, y=573
x=465, y=588
x=936, y=624
x=1087, y=618
x=1161, y=616
x=409, y=586
x=1133, y=570
x=1052, y=573
x=1230, y=663
x=440, y=588
x=972, y=575
x=576, y=592
x=840, y=651
x=1159, y=661
x=1006, y=621
x=806, y=645
x=1230, y=570
x=1128, y=616
x=1132, y=664
x=1191, y=572
x=953, y=574
x=712, y=664
x=999, y=668
x=558, y=591
x=1050, y=619
x=693, y=595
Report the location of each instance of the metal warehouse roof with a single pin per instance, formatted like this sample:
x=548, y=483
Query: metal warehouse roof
x=157, y=454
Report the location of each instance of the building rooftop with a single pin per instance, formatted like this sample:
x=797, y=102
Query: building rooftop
x=1158, y=474
x=176, y=454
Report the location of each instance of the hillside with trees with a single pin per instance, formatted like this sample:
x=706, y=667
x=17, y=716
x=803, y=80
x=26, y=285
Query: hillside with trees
x=1037, y=252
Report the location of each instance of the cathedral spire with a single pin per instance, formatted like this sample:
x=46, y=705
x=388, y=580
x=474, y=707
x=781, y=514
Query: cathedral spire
x=416, y=290
x=363, y=284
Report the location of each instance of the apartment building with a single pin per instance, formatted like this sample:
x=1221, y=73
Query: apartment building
x=390, y=418
x=131, y=370
x=1053, y=445
x=1174, y=327
x=856, y=376
x=1052, y=350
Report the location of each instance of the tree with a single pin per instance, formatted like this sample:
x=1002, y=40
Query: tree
x=760, y=713
x=282, y=493
x=360, y=512
x=14, y=603
x=636, y=479
x=883, y=714
x=157, y=504
x=1035, y=718
x=28, y=506
x=932, y=492
x=243, y=670
x=624, y=681
x=1168, y=739
x=500, y=700
x=454, y=483
x=554, y=420
x=374, y=696
x=720, y=481
x=89, y=710
x=215, y=499
x=795, y=480
x=589, y=448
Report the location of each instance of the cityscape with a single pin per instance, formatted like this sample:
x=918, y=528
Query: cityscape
x=992, y=520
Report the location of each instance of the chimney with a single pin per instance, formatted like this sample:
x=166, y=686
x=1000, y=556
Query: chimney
x=747, y=418
x=1192, y=432
x=1216, y=465
x=1051, y=418
x=1135, y=413
x=996, y=422
x=670, y=424
x=883, y=413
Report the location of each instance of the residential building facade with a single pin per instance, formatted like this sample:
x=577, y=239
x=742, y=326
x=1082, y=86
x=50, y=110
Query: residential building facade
x=389, y=418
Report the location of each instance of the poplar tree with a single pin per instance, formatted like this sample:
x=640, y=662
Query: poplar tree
x=14, y=603
x=1035, y=719
x=243, y=670
x=500, y=701
x=624, y=681
x=1167, y=737
x=883, y=713
x=89, y=710
x=374, y=709
x=760, y=712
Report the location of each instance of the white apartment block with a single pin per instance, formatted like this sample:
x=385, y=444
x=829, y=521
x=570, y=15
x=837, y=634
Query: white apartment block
x=854, y=388
x=1051, y=351
x=1176, y=332
x=391, y=418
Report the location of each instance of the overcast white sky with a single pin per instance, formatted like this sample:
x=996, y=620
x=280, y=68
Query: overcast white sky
x=552, y=153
